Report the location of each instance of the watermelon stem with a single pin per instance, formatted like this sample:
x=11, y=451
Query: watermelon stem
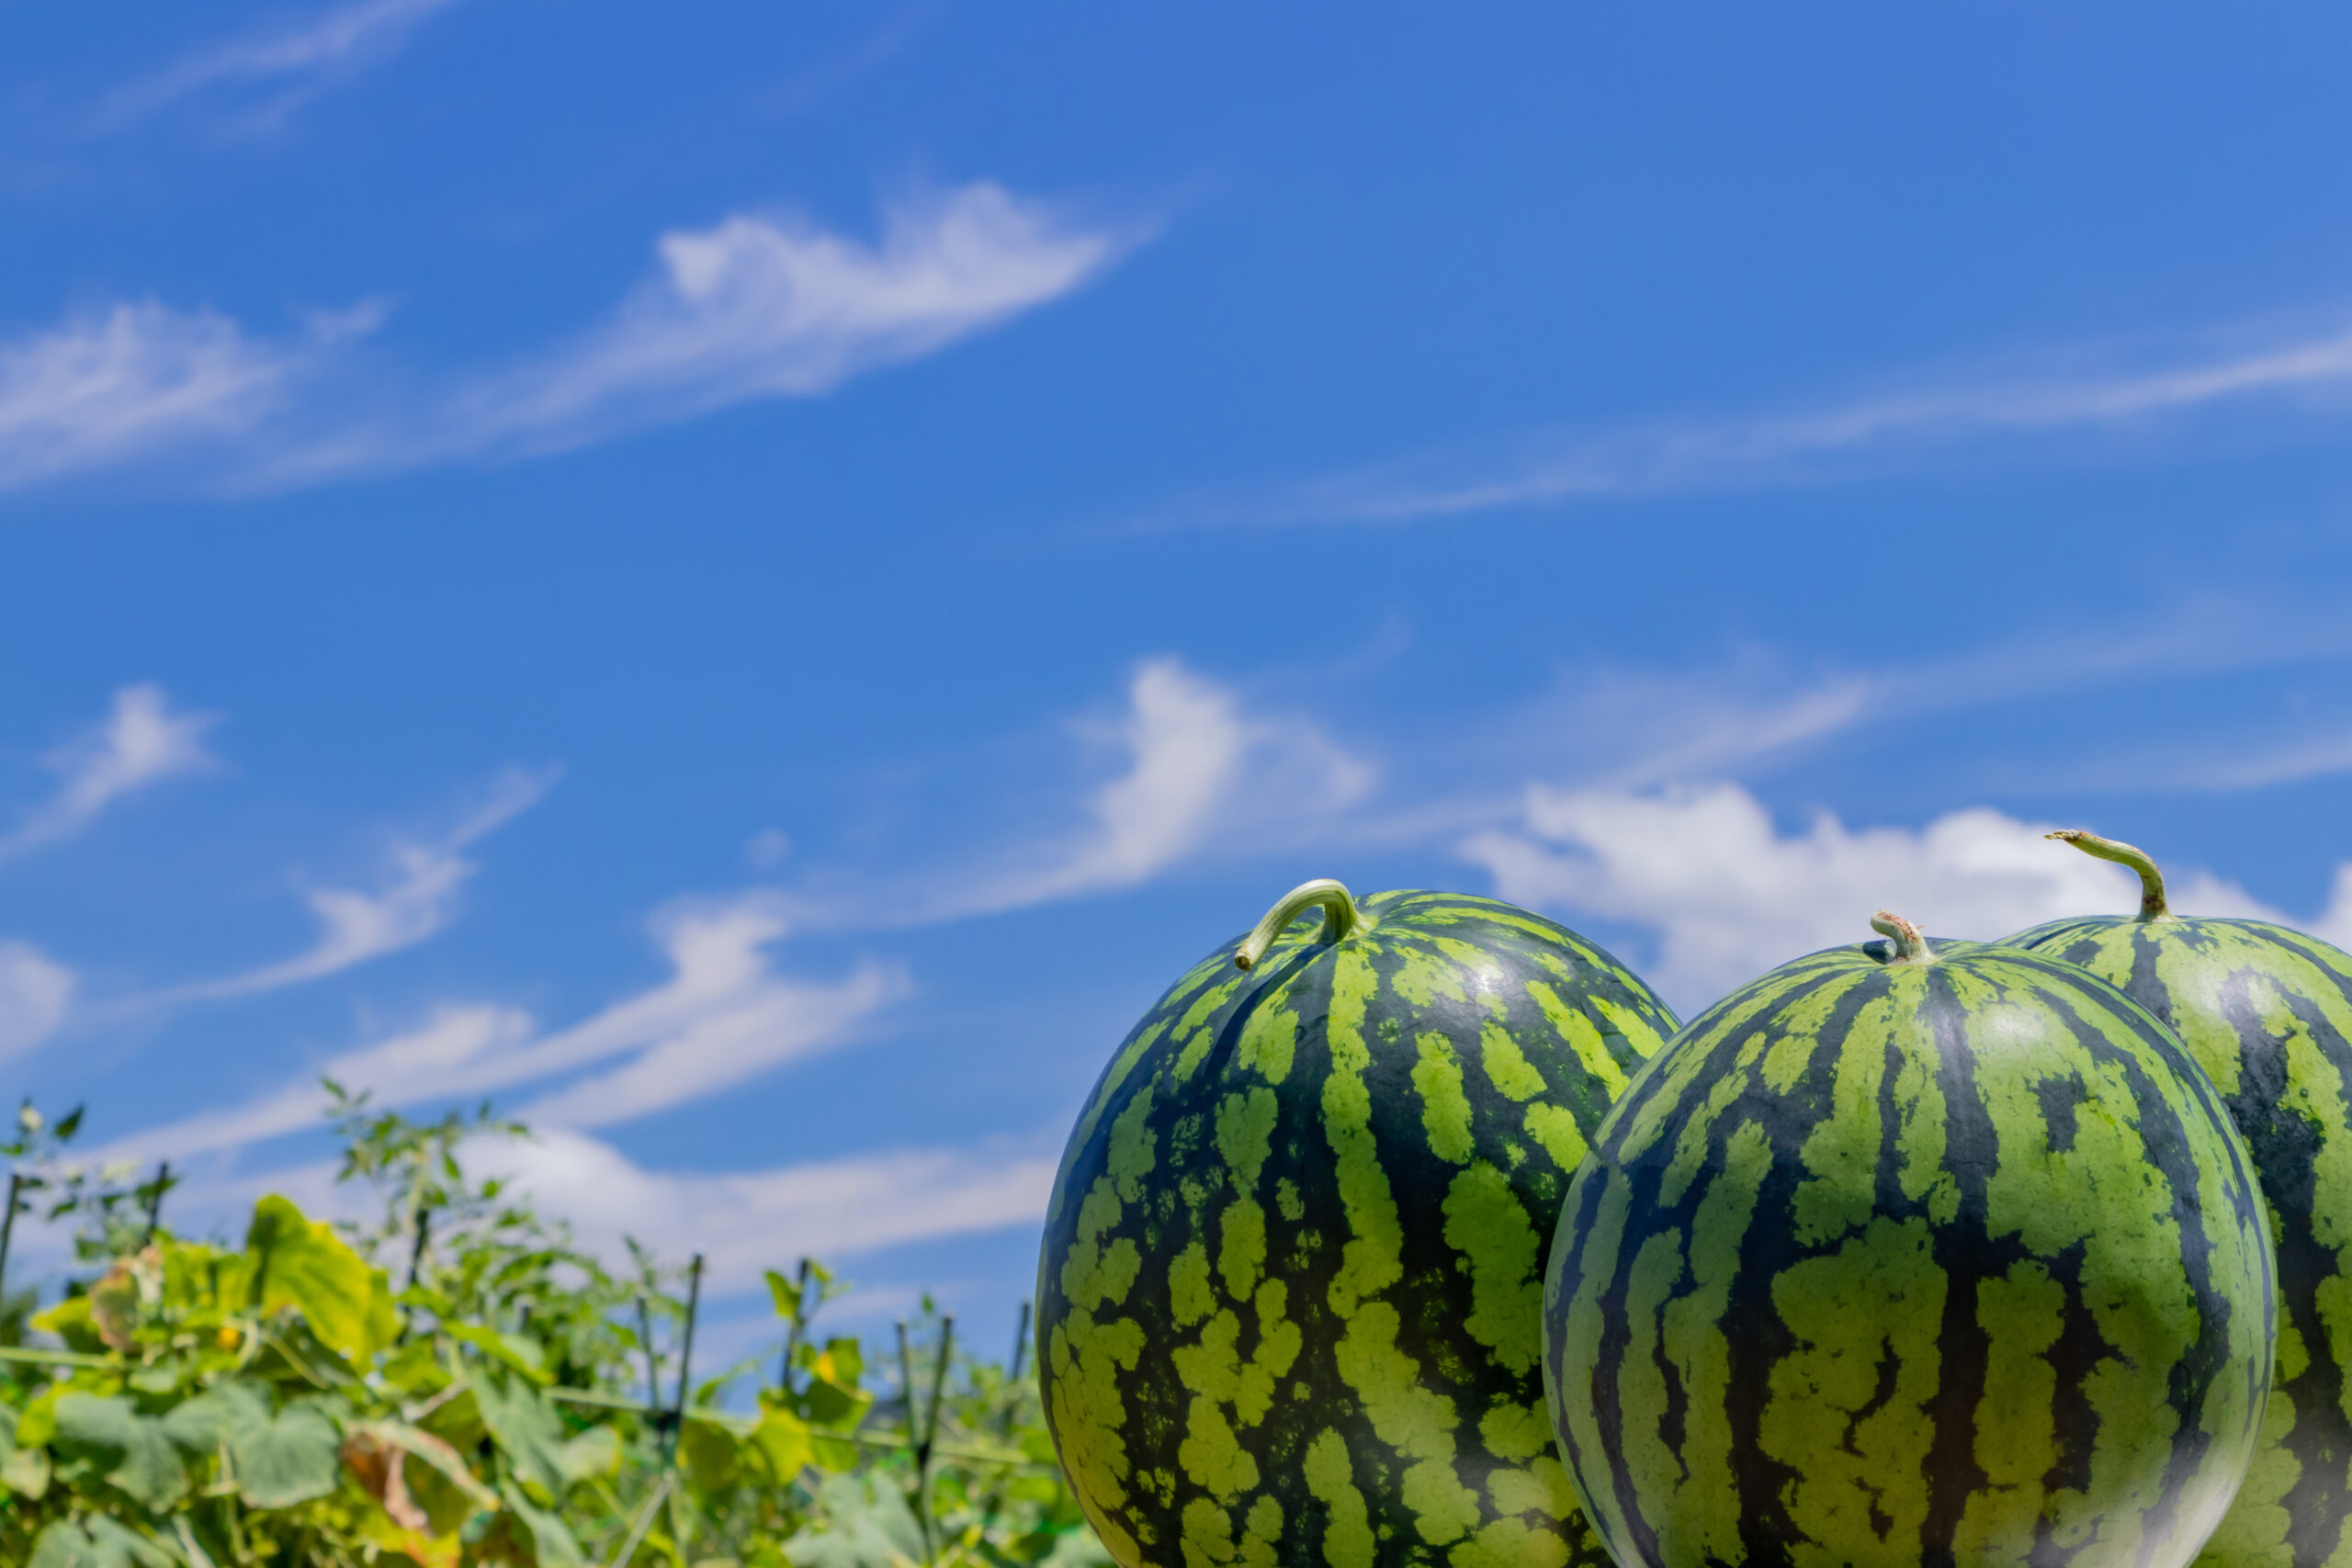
x=2152, y=881
x=1340, y=919
x=1910, y=946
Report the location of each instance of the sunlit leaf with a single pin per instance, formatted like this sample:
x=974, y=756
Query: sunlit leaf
x=70, y=1320
x=24, y=1471
x=596, y=1452
x=38, y=1424
x=383, y=1315
x=783, y=1440
x=294, y=1261
x=511, y=1349
x=843, y=1362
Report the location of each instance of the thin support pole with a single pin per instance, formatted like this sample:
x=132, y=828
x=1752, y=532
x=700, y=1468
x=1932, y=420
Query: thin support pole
x=645, y=1338
x=417, y=1248
x=938, y=1387
x=793, y=1330
x=9, y=1227
x=930, y=1430
x=156, y=1201
x=645, y=1519
x=686, y=1351
x=914, y=1446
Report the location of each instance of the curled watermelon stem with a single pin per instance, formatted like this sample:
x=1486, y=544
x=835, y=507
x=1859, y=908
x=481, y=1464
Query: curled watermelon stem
x=1910, y=946
x=2152, y=881
x=1340, y=919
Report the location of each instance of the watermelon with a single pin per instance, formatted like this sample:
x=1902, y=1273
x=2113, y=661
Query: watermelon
x=1894, y=1257
x=2268, y=1013
x=1290, y=1292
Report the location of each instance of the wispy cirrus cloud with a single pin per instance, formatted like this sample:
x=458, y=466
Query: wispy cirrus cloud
x=355, y=925
x=270, y=72
x=35, y=993
x=723, y=1016
x=744, y=1222
x=142, y=742
x=741, y=1221
x=760, y=307
x=137, y=381
x=756, y=307
x=1196, y=769
x=1739, y=452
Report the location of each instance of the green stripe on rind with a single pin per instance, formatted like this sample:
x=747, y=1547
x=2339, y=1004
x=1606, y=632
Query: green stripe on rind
x=1777, y=1330
x=1289, y=1294
x=2266, y=1013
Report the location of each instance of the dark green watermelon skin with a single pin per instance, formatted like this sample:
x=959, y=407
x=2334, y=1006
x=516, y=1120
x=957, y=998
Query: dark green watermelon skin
x=2266, y=1013
x=1289, y=1296
x=1953, y=1263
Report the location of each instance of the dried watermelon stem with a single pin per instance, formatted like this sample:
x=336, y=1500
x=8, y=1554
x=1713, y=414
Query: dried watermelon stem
x=2152, y=881
x=1340, y=919
x=1910, y=947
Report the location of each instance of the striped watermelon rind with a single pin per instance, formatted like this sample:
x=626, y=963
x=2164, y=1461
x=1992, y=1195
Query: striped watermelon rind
x=1945, y=1262
x=2266, y=1013
x=1289, y=1294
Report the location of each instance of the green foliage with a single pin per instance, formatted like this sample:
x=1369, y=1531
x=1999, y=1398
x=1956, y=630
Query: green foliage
x=456, y=1383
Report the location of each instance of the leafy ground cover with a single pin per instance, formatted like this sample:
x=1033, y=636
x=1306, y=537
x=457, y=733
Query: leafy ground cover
x=456, y=1384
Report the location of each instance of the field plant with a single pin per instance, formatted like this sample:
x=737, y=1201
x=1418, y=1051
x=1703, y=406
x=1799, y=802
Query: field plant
x=454, y=1382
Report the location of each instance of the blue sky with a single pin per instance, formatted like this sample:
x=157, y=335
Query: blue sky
x=754, y=582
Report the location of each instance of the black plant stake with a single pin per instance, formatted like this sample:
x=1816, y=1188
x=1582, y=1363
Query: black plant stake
x=914, y=1447
x=652, y=1379
x=9, y=1227
x=685, y=1356
x=792, y=1330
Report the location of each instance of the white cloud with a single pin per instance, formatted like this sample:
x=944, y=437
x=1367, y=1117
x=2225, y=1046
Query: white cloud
x=141, y=743
x=722, y=1017
x=1197, y=769
x=775, y=307
x=743, y=1222
x=1729, y=895
x=133, y=381
x=753, y=307
x=295, y=61
x=725, y=1019
x=355, y=926
x=748, y=1221
x=1674, y=458
x=35, y=991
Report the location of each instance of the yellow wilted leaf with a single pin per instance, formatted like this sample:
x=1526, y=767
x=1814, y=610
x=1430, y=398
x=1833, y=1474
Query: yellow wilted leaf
x=294, y=1261
x=70, y=1320
x=782, y=1439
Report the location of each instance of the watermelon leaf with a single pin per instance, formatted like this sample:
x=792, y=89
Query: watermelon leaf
x=144, y=1464
x=287, y=1459
x=526, y=1430
x=97, y=1542
x=298, y=1262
